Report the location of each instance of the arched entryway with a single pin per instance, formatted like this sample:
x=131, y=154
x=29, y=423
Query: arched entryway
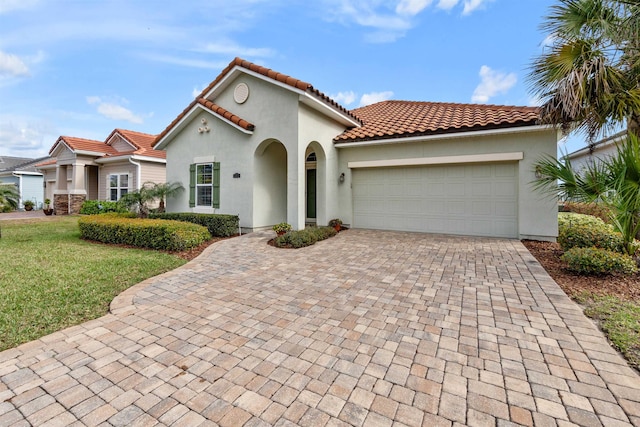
x=314, y=184
x=270, y=184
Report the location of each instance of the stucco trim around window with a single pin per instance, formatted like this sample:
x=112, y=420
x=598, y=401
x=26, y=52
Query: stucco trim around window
x=443, y=160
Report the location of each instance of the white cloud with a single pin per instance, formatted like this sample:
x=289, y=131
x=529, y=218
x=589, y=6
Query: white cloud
x=447, y=4
x=229, y=47
x=344, y=98
x=114, y=111
x=12, y=66
x=22, y=136
x=373, y=97
x=471, y=5
x=411, y=7
x=186, y=62
x=492, y=83
x=11, y=5
x=549, y=40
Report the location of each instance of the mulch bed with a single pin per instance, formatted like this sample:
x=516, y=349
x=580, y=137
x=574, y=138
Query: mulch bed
x=548, y=255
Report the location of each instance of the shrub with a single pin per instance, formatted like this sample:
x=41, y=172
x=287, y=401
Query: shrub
x=593, y=209
x=282, y=227
x=598, y=261
x=585, y=231
x=95, y=207
x=219, y=225
x=301, y=238
x=145, y=233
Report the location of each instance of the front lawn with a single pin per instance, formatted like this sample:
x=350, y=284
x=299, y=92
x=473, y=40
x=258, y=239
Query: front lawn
x=50, y=279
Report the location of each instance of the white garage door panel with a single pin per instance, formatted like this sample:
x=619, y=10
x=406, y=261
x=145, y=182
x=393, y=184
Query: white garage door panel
x=478, y=199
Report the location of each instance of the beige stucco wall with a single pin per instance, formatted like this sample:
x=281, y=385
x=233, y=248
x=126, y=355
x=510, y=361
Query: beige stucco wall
x=537, y=213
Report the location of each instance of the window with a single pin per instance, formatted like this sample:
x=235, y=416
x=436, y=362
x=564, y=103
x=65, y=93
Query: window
x=118, y=186
x=204, y=185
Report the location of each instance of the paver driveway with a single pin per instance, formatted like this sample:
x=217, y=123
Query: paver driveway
x=368, y=328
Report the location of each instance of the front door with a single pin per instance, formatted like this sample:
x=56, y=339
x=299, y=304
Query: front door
x=311, y=193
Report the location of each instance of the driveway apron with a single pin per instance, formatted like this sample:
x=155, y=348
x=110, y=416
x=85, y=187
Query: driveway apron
x=367, y=328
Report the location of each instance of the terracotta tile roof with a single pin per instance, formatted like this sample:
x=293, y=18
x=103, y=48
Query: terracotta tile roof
x=226, y=114
x=397, y=119
x=267, y=72
x=142, y=141
x=47, y=163
x=282, y=78
x=85, y=145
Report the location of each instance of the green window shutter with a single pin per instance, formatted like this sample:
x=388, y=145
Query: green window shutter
x=216, y=185
x=192, y=185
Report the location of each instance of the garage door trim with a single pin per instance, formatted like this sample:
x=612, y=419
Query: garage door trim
x=443, y=160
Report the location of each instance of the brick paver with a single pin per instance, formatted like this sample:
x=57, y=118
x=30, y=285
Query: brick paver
x=367, y=328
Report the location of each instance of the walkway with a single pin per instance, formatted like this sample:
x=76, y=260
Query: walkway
x=368, y=328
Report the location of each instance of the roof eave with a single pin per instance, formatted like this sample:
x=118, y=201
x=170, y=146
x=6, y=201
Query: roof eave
x=164, y=141
x=448, y=135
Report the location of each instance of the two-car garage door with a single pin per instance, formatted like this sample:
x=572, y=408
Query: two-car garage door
x=470, y=199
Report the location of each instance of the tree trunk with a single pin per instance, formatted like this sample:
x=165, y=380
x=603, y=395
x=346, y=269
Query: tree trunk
x=161, y=206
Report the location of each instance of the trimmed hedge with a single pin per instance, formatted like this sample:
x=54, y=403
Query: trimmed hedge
x=585, y=231
x=95, y=207
x=593, y=209
x=598, y=261
x=144, y=233
x=301, y=238
x=219, y=225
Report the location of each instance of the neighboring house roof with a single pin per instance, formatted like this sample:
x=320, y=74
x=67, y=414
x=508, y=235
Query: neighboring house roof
x=143, y=143
x=19, y=164
x=84, y=145
x=206, y=97
x=140, y=142
x=398, y=119
x=598, y=145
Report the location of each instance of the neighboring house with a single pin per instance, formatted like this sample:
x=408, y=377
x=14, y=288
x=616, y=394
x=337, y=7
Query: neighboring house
x=84, y=169
x=23, y=174
x=272, y=148
x=599, y=150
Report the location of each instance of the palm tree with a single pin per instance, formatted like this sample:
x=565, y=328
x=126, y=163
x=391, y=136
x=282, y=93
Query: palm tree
x=164, y=190
x=137, y=201
x=9, y=196
x=590, y=78
x=613, y=182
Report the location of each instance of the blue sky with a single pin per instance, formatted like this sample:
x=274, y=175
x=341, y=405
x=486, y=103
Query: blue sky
x=84, y=67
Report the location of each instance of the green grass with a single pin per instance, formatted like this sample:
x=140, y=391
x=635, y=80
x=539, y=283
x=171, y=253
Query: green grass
x=51, y=279
x=619, y=320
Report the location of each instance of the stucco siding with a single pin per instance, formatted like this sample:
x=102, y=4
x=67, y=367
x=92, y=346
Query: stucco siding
x=273, y=111
x=537, y=214
x=318, y=131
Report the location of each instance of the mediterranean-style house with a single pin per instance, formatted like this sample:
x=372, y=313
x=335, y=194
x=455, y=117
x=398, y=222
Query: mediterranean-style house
x=22, y=173
x=272, y=148
x=84, y=169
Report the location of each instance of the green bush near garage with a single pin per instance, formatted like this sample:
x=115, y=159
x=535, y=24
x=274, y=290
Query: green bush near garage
x=219, y=225
x=585, y=231
x=144, y=233
x=597, y=261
